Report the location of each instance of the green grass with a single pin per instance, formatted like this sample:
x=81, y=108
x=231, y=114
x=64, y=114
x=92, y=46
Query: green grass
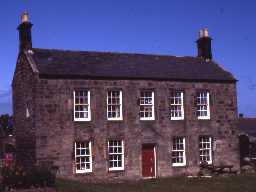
x=181, y=184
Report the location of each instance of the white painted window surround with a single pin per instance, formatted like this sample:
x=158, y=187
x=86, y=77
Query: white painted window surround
x=177, y=105
x=82, y=108
x=114, y=105
x=205, y=149
x=203, y=105
x=147, y=108
x=178, y=152
x=83, y=157
x=116, y=155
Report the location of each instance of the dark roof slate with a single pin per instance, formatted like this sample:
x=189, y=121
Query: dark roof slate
x=248, y=126
x=83, y=64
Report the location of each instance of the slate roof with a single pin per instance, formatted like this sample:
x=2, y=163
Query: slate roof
x=52, y=63
x=247, y=126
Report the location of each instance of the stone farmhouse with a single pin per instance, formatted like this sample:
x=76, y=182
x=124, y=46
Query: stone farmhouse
x=104, y=115
x=247, y=140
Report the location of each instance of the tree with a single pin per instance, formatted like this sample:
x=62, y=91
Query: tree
x=6, y=123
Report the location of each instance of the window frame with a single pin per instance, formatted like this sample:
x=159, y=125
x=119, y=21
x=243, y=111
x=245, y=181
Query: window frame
x=122, y=156
x=79, y=171
x=178, y=150
x=203, y=149
x=88, y=104
x=153, y=105
x=208, y=116
x=120, y=106
x=174, y=104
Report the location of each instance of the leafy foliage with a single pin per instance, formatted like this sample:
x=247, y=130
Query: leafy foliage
x=6, y=123
x=16, y=177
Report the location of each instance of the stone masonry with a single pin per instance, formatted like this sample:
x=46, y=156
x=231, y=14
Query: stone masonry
x=43, y=86
x=56, y=131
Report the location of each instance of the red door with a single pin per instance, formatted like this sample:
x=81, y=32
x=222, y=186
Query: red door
x=148, y=161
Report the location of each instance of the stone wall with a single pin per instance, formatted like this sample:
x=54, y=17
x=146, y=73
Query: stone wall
x=23, y=88
x=56, y=131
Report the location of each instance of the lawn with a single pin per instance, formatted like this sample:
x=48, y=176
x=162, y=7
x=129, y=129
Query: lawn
x=180, y=184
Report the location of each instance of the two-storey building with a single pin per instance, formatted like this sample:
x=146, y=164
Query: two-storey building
x=105, y=115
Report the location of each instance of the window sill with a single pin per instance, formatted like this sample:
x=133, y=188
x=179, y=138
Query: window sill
x=147, y=119
x=112, y=119
x=179, y=165
x=115, y=169
x=177, y=119
x=203, y=119
x=83, y=172
x=208, y=163
x=82, y=120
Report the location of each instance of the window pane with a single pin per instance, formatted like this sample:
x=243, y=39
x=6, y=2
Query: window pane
x=202, y=104
x=178, y=151
x=115, y=149
x=176, y=104
x=81, y=102
x=83, y=156
x=114, y=104
x=205, y=149
x=146, y=104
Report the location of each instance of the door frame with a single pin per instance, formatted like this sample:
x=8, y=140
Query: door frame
x=154, y=148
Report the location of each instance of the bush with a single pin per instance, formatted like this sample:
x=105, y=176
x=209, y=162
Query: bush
x=17, y=177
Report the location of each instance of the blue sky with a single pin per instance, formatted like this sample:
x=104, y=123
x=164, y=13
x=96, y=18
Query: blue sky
x=144, y=26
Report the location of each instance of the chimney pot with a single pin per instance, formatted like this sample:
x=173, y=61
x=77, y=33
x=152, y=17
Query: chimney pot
x=24, y=17
x=24, y=29
x=203, y=33
x=204, y=45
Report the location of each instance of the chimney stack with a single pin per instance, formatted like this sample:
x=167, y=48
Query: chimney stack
x=25, y=33
x=204, y=45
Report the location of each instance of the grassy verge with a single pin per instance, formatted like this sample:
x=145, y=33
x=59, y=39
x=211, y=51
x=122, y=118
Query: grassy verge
x=181, y=184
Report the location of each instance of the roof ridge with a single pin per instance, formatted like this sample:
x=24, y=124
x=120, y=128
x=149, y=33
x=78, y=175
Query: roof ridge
x=116, y=52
